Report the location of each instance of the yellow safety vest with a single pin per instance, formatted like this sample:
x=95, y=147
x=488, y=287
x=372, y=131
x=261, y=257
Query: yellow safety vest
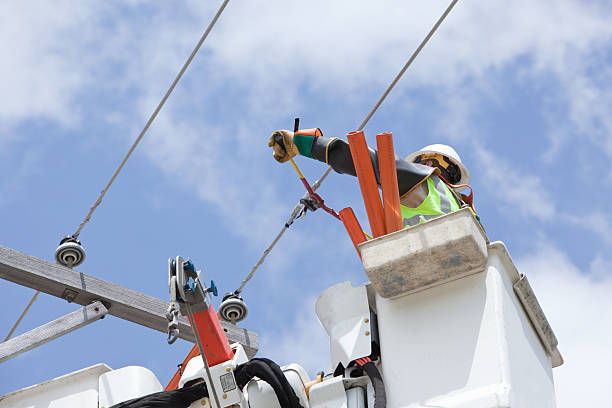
x=440, y=200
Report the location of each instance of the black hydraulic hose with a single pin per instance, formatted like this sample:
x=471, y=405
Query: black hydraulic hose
x=380, y=396
x=180, y=398
x=271, y=373
x=257, y=368
x=294, y=401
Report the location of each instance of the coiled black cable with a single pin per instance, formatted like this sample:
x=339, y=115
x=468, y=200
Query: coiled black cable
x=270, y=372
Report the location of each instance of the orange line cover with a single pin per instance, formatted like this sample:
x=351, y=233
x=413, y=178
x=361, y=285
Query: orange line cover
x=367, y=182
x=352, y=227
x=388, y=182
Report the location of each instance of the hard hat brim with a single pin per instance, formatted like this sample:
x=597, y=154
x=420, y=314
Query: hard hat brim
x=465, y=174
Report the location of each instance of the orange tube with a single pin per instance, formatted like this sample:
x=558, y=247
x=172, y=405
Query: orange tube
x=310, y=132
x=352, y=227
x=388, y=182
x=367, y=182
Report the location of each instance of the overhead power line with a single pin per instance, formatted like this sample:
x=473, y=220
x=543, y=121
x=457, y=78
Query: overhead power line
x=299, y=208
x=138, y=139
x=151, y=119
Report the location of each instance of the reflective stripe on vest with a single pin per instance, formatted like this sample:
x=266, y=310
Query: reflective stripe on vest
x=440, y=200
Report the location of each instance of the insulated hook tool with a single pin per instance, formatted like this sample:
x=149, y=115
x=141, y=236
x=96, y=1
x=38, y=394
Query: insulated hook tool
x=314, y=200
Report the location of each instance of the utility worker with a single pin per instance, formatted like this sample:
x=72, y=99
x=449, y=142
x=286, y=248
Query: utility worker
x=429, y=180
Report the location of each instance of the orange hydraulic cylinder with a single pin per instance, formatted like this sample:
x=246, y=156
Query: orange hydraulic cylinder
x=367, y=182
x=352, y=227
x=388, y=182
x=214, y=341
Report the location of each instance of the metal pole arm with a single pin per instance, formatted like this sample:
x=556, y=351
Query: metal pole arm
x=52, y=330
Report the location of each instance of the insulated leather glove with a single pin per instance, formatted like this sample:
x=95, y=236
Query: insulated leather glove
x=281, y=142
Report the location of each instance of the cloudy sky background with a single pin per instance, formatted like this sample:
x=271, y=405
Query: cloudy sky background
x=522, y=89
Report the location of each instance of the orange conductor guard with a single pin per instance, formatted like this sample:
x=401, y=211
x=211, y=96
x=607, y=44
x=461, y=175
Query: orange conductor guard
x=352, y=227
x=367, y=182
x=388, y=182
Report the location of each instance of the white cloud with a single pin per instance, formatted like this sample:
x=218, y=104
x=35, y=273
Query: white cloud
x=302, y=341
x=340, y=43
x=333, y=47
x=600, y=268
x=524, y=192
x=59, y=52
x=206, y=159
x=274, y=58
x=597, y=222
x=584, y=80
x=41, y=72
x=15, y=184
x=577, y=304
x=518, y=191
x=459, y=107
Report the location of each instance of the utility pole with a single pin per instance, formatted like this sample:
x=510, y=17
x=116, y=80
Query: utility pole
x=79, y=288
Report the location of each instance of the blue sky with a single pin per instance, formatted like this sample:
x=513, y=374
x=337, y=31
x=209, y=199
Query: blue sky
x=521, y=89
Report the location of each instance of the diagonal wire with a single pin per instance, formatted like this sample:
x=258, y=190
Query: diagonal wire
x=299, y=208
x=8, y=336
x=151, y=119
x=138, y=139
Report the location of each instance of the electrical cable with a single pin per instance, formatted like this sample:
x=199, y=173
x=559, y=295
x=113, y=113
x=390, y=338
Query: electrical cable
x=287, y=388
x=408, y=63
x=380, y=395
x=299, y=208
x=182, y=397
x=151, y=119
x=269, y=372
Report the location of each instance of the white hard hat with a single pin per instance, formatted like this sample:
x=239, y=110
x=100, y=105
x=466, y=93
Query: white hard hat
x=193, y=371
x=447, y=151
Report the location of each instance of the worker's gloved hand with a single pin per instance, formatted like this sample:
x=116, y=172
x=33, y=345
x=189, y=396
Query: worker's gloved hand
x=282, y=143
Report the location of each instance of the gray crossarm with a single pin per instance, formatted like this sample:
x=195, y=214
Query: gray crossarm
x=52, y=330
x=121, y=302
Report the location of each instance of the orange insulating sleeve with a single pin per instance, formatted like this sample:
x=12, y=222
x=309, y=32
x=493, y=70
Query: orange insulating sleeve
x=367, y=182
x=352, y=227
x=388, y=182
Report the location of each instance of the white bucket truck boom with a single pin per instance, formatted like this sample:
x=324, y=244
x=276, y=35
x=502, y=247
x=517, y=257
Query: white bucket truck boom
x=446, y=321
